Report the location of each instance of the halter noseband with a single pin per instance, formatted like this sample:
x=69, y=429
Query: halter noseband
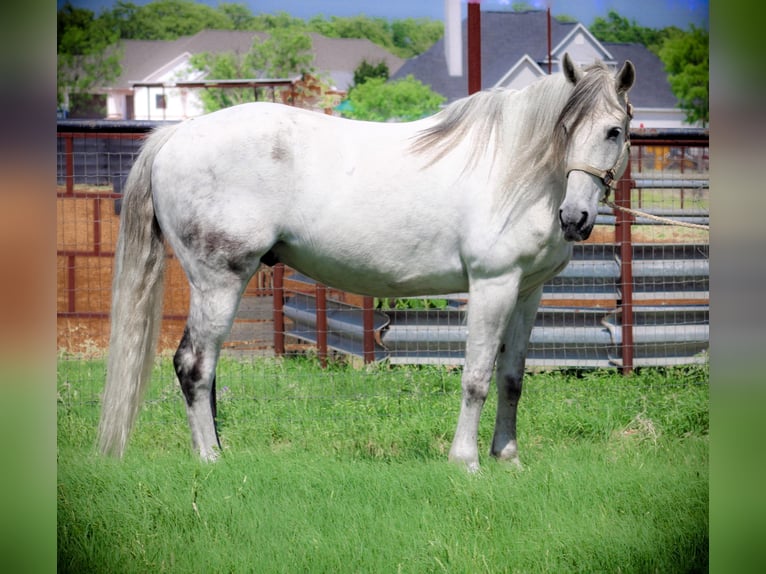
x=608, y=176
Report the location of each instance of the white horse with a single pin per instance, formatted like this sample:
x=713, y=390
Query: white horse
x=484, y=197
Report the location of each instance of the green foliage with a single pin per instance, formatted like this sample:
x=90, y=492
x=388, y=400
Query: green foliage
x=413, y=36
x=387, y=303
x=167, y=19
x=616, y=28
x=227, y=66
x=374, y=29
x=684, y=54
x=406, y=99
x=686, y=57
x=238, y=14
x=403, y=37
x=268, y=22
x=86, y=51
x=365, y=71
x=284, y=53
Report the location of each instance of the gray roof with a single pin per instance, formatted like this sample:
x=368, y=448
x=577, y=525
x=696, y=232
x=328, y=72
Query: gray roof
x=338, y=57
x=652, y=89
x=506, y=37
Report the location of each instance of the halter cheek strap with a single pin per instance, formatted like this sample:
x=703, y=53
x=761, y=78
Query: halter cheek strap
x=608, y=176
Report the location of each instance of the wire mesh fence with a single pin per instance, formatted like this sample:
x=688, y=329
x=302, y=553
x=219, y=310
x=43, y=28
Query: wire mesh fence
x=636, y=294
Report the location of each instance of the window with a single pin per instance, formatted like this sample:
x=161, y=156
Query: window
x=160, y=102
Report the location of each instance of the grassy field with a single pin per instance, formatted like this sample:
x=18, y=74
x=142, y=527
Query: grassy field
x=345, y=470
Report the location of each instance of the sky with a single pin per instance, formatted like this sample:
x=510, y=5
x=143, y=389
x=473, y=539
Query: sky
x=648, y=13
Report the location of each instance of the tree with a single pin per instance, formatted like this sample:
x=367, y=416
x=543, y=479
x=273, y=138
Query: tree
x=684, y=54
x=240, y=15
x=268, y=22
x=405, y=38
x=86, y=53
x=616, y=28
x=365, y=71
x=285, y=52
x=167, y=19
x=226, y=66
x=374, y=29
x=413, y=36
x=406, y=99
x=686, y=59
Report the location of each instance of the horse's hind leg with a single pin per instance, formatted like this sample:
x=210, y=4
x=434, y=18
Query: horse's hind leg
x=211, y=314
x=510, y=371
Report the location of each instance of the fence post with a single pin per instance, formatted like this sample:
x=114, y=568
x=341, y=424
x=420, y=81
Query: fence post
x=69, y=163
x=474, y=46
x=321, y=312
x=368, y=326
x=279, y=303
x=623, y=238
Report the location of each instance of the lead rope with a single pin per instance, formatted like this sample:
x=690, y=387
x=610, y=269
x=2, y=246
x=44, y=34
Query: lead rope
x=664, y=220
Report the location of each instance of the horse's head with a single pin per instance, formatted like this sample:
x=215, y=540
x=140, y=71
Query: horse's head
x=594, y=125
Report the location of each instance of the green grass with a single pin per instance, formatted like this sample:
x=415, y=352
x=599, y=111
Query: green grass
x=670, y=198
x=345, y=470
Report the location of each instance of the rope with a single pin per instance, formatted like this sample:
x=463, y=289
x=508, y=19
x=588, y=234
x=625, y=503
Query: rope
x=657, y=217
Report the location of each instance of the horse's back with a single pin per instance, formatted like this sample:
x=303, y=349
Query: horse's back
x=344, y=201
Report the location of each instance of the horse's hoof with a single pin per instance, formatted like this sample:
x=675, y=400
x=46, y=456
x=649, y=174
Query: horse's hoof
x=211, y=455
x=471, y=465
x=512, y=463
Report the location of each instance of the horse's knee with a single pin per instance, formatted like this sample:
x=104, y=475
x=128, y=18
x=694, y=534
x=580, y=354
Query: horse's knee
x=188, y=365
x=475, y=386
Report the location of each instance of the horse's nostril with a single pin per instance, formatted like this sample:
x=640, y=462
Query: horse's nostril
x=561, y=216
x=583, y=220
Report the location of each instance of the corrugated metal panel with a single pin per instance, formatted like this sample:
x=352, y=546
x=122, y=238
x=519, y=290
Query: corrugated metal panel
x=345, y=325
x=576, y=337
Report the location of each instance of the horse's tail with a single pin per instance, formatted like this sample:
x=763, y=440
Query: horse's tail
x=137, y=287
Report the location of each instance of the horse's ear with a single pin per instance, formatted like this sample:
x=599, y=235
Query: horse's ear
x=572, y=72
x=626, y=77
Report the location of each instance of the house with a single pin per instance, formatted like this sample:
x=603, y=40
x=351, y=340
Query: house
x=514, y=53
x=151, y=85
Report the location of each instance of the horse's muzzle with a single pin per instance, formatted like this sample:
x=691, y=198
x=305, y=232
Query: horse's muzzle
x=575, y=226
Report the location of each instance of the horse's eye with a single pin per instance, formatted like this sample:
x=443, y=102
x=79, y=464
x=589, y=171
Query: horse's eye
x=613, y=133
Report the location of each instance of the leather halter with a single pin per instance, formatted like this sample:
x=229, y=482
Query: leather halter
x=609, y=176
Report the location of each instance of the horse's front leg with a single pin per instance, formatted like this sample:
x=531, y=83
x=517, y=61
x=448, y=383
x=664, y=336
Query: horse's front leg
x=491, y=302
x=510, y=372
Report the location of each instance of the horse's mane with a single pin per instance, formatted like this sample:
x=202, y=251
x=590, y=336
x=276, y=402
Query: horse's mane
x=478, y=115
x=542, y=116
